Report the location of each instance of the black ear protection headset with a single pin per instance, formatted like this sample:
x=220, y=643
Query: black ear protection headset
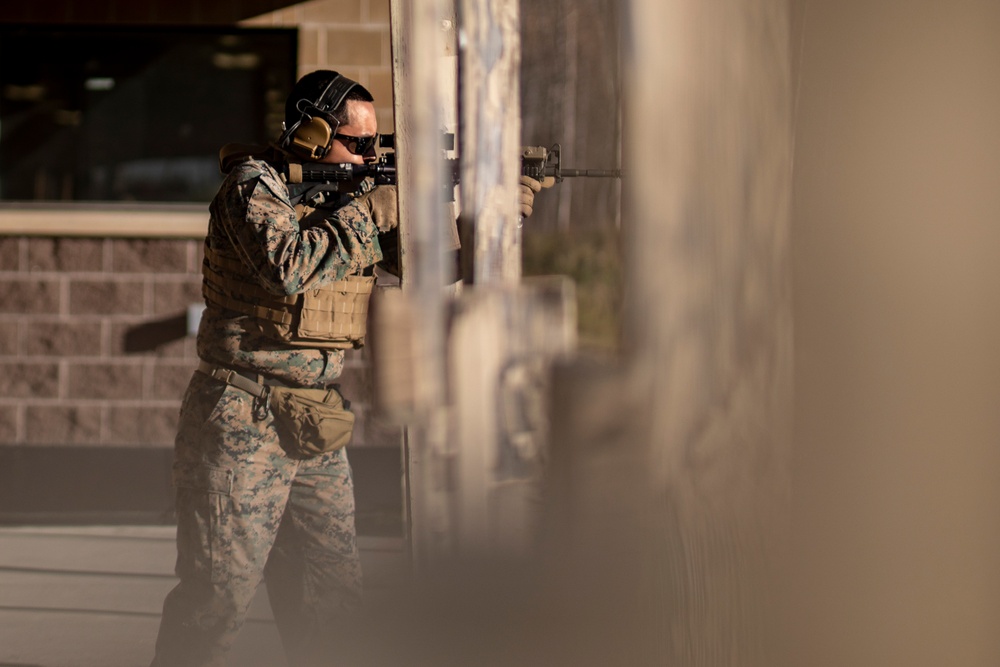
x=311, y=137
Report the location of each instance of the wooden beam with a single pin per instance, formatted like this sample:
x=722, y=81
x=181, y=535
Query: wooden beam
x=411, y=367
x=503, y=343
x=490, y=139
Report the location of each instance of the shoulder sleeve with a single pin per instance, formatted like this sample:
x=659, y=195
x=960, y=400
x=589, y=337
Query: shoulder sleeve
x=282, y=256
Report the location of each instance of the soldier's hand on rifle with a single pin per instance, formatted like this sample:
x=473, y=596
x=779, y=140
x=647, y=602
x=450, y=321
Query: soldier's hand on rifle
x=526, y=197
x=382, y=204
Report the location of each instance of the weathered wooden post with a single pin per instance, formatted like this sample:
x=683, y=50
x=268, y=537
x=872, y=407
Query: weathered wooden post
x=410, y=373
x=474, y=431
x=490, y=58
x=505, y=332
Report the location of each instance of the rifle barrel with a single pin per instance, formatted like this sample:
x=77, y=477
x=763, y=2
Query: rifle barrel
x=592, y=173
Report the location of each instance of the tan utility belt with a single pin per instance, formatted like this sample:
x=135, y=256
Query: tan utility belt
x=311, y=421
x=252, y=383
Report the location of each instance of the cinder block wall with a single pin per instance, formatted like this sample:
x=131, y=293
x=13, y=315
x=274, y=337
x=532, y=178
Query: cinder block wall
x=93, y=342
x=349, y=36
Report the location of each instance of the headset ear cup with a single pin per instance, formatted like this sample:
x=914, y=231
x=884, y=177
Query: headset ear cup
x=311, y=139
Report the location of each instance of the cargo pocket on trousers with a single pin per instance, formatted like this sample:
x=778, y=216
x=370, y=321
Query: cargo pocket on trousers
x=204, y=520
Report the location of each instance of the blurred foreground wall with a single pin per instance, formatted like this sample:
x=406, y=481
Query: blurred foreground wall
x=896, y=247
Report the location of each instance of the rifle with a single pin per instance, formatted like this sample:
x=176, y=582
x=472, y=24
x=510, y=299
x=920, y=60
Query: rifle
x=540, y=163
x=537, y=162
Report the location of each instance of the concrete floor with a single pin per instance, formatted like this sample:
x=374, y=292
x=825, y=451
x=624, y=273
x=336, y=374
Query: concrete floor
x=90, y=596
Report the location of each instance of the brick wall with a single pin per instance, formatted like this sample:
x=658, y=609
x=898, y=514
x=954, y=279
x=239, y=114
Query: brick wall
x=94, y=343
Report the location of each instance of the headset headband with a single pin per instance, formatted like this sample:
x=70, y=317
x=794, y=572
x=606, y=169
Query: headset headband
x=333, y=95
x=314, y=130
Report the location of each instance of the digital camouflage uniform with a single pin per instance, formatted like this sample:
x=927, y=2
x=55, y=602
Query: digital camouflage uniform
x=246, y=509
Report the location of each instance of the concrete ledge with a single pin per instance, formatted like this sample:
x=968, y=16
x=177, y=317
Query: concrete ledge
x=164, y=221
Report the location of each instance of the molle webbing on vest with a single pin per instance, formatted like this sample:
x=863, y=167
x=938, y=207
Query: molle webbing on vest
x=338, y=310
x=331, y=316
x=241, y=296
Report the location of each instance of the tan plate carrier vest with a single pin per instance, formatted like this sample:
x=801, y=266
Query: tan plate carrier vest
x=333, y=316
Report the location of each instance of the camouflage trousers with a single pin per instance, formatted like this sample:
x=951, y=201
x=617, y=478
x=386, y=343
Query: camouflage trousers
x=246, y=510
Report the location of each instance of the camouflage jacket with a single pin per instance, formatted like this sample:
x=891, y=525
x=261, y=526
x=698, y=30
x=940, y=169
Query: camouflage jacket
x=252, y=220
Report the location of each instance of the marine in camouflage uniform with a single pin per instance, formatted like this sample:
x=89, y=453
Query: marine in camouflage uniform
x=248, y=507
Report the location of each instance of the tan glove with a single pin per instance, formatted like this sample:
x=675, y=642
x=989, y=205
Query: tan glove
x=383, y=206
x=526, y=198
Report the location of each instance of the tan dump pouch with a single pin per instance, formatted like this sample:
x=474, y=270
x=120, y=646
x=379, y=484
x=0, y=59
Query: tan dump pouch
x=311, y=421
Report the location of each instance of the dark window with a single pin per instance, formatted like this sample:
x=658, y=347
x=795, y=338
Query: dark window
x=134, y=113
